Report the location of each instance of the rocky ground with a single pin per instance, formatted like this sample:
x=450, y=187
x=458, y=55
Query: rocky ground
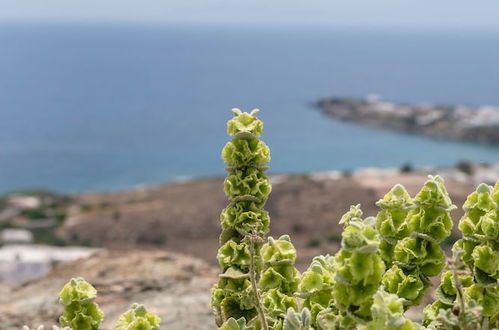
x=176, y=287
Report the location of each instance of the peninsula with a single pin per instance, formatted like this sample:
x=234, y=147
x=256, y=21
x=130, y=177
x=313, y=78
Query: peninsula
x=480, y=124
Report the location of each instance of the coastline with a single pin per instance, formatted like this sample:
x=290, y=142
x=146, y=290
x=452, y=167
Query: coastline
x=459, y=123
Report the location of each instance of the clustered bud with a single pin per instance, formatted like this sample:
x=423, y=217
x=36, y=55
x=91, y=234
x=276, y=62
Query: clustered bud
x=391, y=221
x=316, y=286
x=358, y=267
x=138, y=318
x=80, y=309
x=339, y=290
x=418, y=256
x=279, y=280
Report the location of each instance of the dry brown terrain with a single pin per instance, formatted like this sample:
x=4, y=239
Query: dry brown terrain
x=185, y=217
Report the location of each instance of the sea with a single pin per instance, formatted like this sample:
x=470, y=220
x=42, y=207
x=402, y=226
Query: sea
x=100, y=107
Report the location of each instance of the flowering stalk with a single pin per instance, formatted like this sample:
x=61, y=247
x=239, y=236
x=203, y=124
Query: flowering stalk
x=419, y=256
x=358, y=266
x=279, y=280
x=480, y=245
x=316, y=287
x=451, y=308
x=391, y=221
x=339, y=291
x=243, y=220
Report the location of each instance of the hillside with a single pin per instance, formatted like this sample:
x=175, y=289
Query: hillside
x=185, y=217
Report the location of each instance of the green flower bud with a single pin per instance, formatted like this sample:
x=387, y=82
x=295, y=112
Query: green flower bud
x=77, y=290
x=244, y=123
x=278, y=251
x=239, y=304
x=277, y=303
x=354, y=214
x=246, y=182
x=480, y=199
x=405, y=285
x=487, y=260
x=80, y=310
x=138, y=318
x=434, y=194
x=244, y=152
x=428, y=256
x=245, y=216
x=488, y=225
x=434, y=222
x=390, y=222
x=446, y=291
x=477, y=205
x=297, y=321
x=316, y=285
x=388, y=313
x=234, y=254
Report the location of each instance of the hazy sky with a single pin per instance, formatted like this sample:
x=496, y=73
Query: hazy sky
x=428, y=14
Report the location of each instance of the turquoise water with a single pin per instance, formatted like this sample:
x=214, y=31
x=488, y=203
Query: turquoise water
x=87, y=108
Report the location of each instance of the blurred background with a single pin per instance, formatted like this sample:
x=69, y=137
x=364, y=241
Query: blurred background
x=112, y=118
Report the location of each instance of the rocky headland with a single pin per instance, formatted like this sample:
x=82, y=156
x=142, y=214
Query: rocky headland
x=462, y=123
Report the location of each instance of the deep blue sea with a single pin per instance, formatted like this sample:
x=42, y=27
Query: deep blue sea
x=85, y=108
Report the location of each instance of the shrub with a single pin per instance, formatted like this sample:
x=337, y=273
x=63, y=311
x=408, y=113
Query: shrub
x=382, y=269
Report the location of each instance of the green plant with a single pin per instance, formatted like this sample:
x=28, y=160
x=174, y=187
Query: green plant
x=279, y=280
x=244, y=221
x=138, y=318
x=469, y=293
x=418, y=255
x=383, y=268
x=81, y=312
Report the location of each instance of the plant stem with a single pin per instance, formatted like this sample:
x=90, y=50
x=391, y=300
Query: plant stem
x=258, y=304
x=460, y=295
